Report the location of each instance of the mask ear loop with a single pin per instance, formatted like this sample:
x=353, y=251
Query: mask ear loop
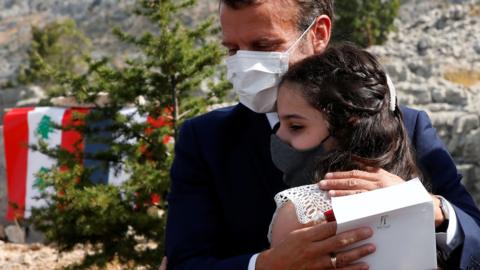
x=301, y=37
x=393, y=93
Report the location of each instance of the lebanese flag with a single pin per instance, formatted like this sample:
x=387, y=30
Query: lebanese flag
x=24, y=127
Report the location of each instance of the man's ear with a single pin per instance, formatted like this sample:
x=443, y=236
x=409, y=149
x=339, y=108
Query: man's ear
x=322, y=31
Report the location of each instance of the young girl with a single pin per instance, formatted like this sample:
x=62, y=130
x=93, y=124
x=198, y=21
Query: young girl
x=337, y=112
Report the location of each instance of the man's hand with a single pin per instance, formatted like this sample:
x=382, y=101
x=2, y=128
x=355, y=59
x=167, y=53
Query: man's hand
x=439, y=217
x=311, y=248
x=353, y=182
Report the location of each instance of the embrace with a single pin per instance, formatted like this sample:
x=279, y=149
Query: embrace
x=314, y=121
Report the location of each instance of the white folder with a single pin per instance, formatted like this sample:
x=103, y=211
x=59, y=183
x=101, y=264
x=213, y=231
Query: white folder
x=402, y=220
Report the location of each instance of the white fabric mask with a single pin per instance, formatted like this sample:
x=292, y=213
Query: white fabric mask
x=255, y=75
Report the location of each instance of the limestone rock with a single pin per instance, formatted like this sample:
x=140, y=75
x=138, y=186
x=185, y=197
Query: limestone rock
x=440, y=107
x=422, y=46
x=441, y=23
x=466, y=123
x=468, y=172
x=458, y=12
x=472, y=146
x=476, y=46
x=420, y=69
x=15, y=234
x=413, y=93
x=398, y=72
x=451, y=95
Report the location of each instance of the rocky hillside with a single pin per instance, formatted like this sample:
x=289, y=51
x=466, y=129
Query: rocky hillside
x=94, y=17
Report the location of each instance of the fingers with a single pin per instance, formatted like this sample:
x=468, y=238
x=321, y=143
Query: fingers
x=345, y=258
x=350, y=184
x=319, y=232
x=340, y=193
x=355, y=266
x=357, y=181
x=349, y=238
x=311, y=248
x=345, y=239
x=356, y=174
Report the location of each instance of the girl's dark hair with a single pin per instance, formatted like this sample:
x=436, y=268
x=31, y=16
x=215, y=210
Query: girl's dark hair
x=349, y=85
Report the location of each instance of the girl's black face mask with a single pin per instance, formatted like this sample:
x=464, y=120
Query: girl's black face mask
x=298, y=166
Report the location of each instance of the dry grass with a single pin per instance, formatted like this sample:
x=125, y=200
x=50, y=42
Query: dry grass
x=475, y=10
x=463, y=77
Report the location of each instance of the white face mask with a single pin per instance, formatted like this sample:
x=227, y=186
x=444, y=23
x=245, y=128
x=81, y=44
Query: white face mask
x=255, y=75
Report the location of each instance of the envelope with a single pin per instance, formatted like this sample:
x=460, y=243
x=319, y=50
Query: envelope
x=402, y=220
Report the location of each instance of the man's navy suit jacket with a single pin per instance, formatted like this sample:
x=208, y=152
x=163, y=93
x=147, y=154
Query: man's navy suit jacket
x=223, y=184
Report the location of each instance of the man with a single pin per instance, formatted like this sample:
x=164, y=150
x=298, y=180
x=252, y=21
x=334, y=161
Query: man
x=223, y=179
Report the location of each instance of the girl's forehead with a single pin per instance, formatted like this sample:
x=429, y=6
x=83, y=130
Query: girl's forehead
x=291, y=102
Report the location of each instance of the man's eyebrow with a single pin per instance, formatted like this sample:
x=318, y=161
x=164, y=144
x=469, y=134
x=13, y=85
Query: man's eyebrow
x=268, y=41
x=258, y=42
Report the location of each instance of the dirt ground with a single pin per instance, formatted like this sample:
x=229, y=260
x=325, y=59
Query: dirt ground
x=38, y=257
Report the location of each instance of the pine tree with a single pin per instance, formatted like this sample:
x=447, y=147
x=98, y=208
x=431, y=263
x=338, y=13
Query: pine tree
x=121, y=222
x=60, y=44
x=364, y=22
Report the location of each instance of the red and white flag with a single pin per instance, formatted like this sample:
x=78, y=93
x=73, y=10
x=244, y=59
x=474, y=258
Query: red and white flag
x=24, y=127
x=27, y=126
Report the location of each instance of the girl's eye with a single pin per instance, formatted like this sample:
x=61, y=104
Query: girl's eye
x=295, y=127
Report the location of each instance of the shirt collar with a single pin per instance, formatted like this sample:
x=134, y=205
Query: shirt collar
x=272, y=119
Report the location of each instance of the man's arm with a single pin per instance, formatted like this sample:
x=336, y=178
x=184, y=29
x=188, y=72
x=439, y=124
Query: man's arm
x=194, y=222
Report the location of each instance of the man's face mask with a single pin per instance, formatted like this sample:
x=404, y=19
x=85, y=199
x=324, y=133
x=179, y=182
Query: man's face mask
x=298, y=166
x=255, y=75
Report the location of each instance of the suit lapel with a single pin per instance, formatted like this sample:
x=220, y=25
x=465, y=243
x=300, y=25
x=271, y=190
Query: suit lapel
x=258, y=139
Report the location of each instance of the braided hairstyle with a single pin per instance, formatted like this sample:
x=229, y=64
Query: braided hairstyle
x=350, y=87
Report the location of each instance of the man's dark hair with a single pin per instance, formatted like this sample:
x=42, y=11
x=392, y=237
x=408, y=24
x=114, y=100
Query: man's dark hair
x=309, y=9
x=350, y=87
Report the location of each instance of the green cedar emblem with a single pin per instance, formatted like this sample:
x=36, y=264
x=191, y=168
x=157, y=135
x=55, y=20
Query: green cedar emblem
x=39, y=181
x=45, y=127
